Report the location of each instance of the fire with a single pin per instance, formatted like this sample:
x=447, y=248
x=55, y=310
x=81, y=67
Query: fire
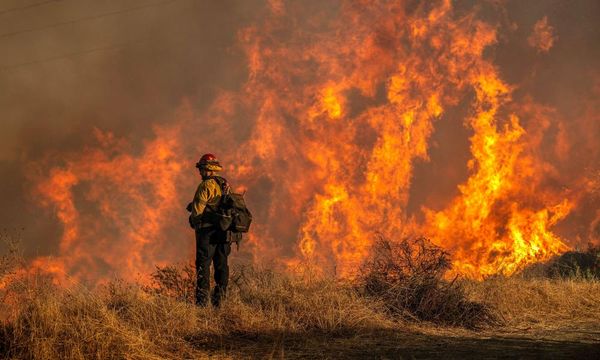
x=333, y=106
x=335, y=119
x=542, y=38
x=484, y=220
x=127, y=196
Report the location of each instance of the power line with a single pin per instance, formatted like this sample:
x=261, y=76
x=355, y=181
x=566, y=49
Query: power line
x=72, y=54
x=93, y=17
x=2, y=12
x=117, y=46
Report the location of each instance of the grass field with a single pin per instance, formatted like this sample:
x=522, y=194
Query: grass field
x=276, y=315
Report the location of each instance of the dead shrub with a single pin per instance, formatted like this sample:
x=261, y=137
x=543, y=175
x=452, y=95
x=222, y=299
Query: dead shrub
x=11, y=258
x=408, y=277
x=576, y=264
x=173, y=281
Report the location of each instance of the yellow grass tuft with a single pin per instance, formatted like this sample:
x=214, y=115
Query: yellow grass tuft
x=263, y=310
x=540, y=302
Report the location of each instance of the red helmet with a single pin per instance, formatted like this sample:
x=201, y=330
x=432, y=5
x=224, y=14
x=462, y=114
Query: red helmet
x=209, y=162
x=208, y=157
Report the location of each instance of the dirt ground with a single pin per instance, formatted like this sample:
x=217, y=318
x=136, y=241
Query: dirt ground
x=581, y=341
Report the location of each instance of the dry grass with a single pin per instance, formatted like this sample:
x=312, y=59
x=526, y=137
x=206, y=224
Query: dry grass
x=539, y=302
x=122, y=320
x=128, y=321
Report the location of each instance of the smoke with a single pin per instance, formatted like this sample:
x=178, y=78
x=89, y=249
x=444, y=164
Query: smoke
x=97, y=152
x=151, y=58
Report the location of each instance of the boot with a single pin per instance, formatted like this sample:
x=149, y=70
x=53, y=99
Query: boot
x=218, y=295
x=202, y=298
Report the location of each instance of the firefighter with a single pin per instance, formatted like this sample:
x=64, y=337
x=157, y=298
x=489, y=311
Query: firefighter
x=211, y=240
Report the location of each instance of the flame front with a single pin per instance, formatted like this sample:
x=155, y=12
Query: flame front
x=325, y=135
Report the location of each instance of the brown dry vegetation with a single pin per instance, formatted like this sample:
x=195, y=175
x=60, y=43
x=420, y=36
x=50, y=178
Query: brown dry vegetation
x=408, y=278
x=269, y=314
x=539, y=302
x=125, y=321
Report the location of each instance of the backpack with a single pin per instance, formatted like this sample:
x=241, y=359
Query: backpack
x=230, y=213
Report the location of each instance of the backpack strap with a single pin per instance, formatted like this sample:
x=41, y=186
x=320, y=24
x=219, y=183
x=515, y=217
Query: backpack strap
x=223, y=184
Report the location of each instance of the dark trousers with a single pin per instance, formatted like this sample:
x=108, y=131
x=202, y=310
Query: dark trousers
x=211, y=246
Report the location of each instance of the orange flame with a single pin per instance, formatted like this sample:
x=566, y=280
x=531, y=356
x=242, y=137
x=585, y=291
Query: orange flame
x=334, y=119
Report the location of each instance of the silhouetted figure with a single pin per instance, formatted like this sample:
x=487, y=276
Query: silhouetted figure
x=212, y=243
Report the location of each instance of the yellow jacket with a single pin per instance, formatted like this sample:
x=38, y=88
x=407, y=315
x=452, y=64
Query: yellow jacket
x=208, y=193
